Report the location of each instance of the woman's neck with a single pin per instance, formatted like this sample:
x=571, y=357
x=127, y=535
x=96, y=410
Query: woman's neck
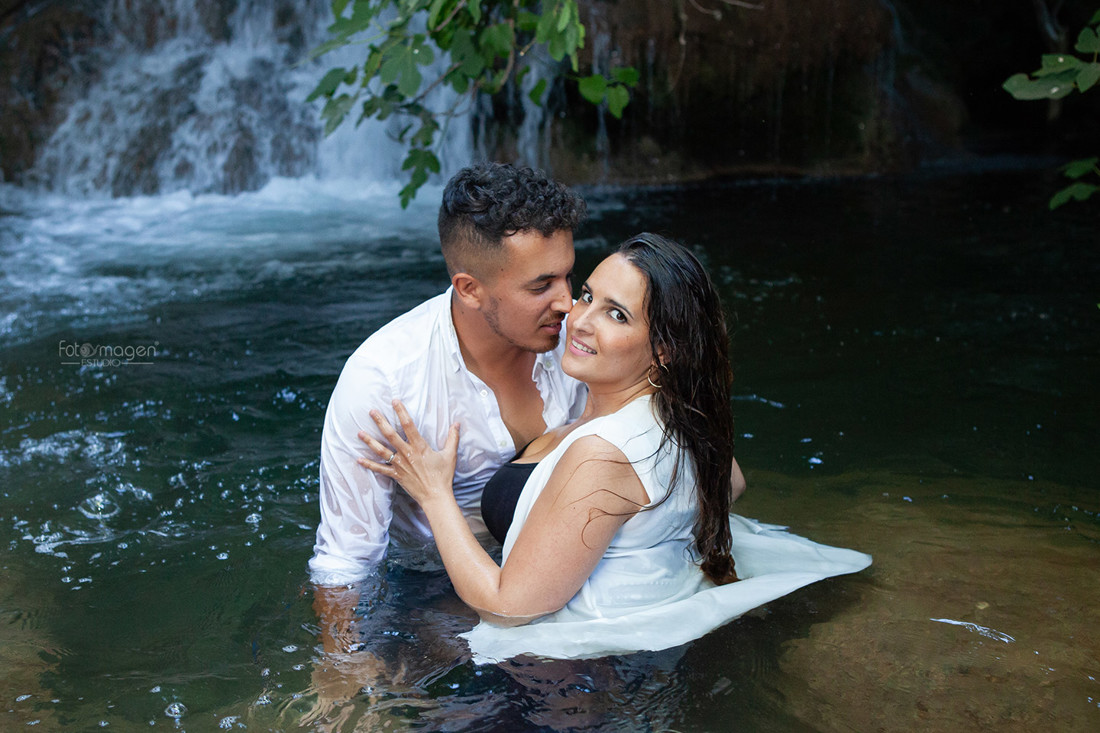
x=603, y=402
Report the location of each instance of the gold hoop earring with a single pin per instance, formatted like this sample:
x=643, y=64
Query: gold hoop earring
x=651, y=384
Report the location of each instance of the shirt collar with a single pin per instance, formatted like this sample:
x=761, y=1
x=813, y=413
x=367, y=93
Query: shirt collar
x=450, y=336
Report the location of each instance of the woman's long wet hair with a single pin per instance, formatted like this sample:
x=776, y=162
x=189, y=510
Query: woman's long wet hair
x=688, y=328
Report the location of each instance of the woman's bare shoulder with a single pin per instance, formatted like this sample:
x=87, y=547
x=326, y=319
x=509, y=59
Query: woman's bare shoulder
x=592, y=462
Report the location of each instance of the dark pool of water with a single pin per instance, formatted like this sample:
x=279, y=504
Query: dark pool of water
x=916, y=364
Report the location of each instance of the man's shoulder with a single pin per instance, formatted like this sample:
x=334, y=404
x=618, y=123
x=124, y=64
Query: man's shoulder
x=404, y=340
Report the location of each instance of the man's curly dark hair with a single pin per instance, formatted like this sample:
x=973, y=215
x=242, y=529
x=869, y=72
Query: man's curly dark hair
x=487, y=202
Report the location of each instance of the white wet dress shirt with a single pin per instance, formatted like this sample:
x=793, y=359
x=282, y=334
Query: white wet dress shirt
x=414, y=358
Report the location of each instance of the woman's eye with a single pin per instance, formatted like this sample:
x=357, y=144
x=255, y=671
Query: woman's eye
x=586, y=297
x=617, y=315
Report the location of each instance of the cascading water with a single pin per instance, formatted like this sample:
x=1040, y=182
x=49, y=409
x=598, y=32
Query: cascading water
x=210, y=98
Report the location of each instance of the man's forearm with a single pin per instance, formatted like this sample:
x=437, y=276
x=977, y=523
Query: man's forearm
x=335, y=608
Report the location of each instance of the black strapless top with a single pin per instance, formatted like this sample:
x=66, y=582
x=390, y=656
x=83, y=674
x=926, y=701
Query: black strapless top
x=500, y=496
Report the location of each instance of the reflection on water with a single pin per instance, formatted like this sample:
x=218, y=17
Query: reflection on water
x=915, y=365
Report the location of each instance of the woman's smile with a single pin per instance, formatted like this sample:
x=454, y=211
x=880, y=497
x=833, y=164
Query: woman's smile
x=579, y=347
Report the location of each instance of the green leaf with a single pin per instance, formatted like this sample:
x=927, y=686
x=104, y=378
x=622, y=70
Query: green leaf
x=593, y=88
x=1074, y=191
x=373, y=63
x=362, y=13
x=1088, y=41
x=391, y=65
x=618, y=97
x=434, y=13
x=384, y=104
x=423, y=54
x=426, y=133
x=626, y=75
x=459, y=82
x=335, y=111
x=536, y=92
x=1095, y=18
x=420, y=161
x=338, y=7
x=496, y=81
x=526, y=20
x=1078, y=168
x=1054, y=86
x=1087, y=76
x=574, y=39
x=421, y=158
x=1054, y=63
x=565, y=14
x=328, y=84
x=556, y=47
x=466, y=56
x=401, y=64
x=474, y=6
x=496, y=40
x=545, y=30
x=381, y=105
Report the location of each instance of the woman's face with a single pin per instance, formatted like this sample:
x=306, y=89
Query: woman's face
x=608, y=332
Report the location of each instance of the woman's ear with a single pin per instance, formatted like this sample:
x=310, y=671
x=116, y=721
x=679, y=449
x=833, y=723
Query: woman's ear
x=662, y=357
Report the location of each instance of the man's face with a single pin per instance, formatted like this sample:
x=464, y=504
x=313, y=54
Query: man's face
x=528, y=292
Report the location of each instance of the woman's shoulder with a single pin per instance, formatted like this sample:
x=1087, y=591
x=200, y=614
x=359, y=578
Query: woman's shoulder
x=591, y=462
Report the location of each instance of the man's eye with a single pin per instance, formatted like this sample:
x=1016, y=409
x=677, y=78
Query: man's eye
x=541, y=288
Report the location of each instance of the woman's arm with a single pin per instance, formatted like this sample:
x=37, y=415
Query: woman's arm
x=737, y=482
x=592, y=491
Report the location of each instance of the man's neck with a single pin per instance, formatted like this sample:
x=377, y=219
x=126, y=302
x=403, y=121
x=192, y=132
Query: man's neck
x=485, y=352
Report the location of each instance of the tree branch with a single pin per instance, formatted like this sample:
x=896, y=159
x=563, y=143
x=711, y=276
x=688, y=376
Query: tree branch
x=450, y=17
x=742, y=4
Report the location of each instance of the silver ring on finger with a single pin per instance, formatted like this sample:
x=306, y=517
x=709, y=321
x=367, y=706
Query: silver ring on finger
x=389, y=460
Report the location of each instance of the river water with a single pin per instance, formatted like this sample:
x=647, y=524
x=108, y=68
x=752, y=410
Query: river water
x=916, y=365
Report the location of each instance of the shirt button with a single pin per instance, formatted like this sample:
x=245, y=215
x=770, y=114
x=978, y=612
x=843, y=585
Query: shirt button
x=484, y=393
x=502, y=443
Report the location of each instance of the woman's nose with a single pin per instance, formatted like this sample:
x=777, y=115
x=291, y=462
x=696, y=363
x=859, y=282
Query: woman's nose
x=578, y=317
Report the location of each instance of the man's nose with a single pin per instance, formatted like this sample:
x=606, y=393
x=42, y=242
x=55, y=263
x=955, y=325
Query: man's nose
x=563, y=298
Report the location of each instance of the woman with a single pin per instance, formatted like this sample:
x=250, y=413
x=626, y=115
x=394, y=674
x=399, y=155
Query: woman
x=624, y=522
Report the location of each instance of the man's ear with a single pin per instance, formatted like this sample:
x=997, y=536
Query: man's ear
x=468, y=289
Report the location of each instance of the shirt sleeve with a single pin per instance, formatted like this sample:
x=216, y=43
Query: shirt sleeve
x=356, y=504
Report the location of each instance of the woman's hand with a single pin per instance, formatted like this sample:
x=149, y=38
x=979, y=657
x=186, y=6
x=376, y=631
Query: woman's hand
x=425, y=473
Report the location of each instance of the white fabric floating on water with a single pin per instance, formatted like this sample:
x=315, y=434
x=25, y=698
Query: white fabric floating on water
x=771, y=562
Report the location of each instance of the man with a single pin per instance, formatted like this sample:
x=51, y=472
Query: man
x=486, y=353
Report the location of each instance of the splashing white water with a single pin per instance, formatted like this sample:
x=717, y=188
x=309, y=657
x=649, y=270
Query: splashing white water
x=185, y=100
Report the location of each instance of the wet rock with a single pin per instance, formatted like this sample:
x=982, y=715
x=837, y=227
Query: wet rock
x=241, y=171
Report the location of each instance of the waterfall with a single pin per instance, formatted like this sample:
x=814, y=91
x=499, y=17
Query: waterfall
x=209, y=97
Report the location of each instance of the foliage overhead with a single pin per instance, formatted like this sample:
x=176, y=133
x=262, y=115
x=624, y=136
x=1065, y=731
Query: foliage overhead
x=1056, y=78
x=481, y=46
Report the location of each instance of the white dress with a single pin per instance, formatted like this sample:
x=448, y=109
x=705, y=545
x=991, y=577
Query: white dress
x=648, y=592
